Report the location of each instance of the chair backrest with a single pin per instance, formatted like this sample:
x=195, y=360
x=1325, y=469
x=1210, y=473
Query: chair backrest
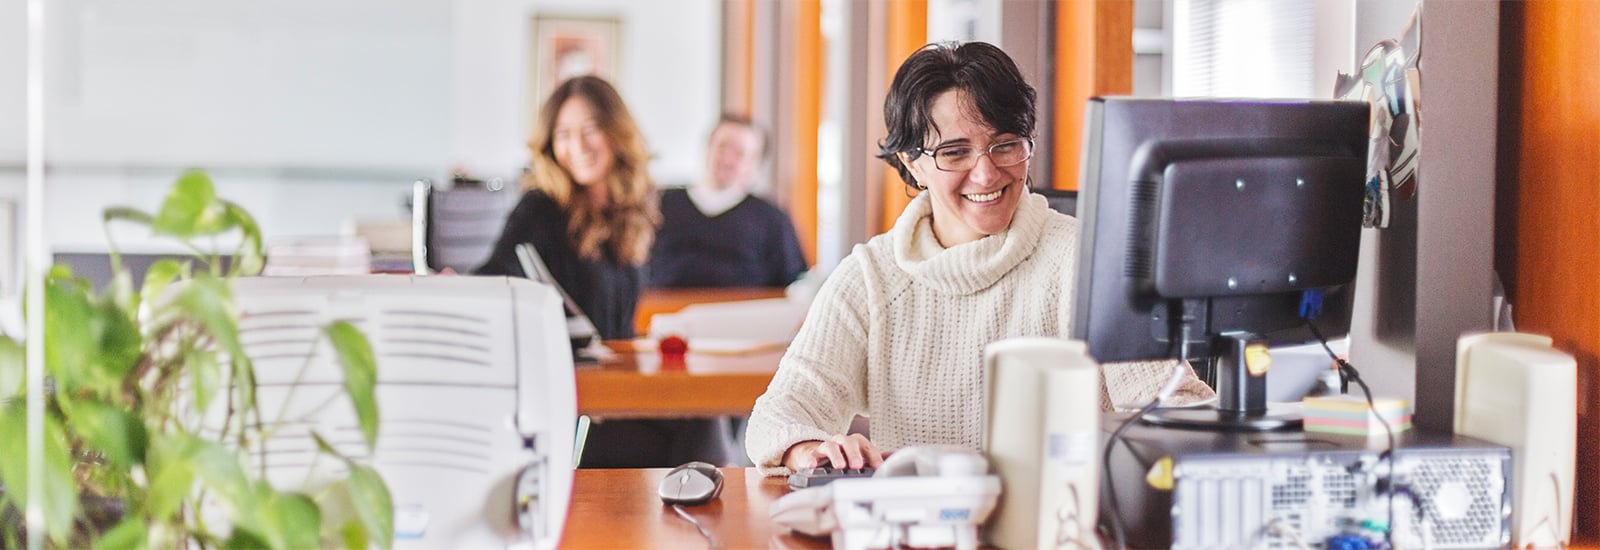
x=1063, y=201
x=456, y=226
x=475, y=390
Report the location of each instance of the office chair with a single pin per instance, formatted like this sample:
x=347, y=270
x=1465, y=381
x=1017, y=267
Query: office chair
x=456, y=226
x=1061, y=200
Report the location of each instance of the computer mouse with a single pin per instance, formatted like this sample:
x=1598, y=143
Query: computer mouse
x=692, y=483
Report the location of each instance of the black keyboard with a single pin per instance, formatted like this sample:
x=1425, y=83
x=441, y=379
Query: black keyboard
x=817, y=477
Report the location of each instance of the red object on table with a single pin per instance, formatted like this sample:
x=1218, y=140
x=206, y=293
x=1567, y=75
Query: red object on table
x=673, y=349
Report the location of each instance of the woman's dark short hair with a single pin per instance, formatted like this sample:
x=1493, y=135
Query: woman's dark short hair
x=1002, y=97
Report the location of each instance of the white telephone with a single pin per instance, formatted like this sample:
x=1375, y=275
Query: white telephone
x=919, y=497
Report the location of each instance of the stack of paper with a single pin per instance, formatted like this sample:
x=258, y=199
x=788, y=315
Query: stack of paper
x=390, y=242
x=1350, y=415
x=324, y=256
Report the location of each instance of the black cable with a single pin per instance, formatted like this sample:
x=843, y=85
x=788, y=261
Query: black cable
x=1349, y=373
x=1114, y=514
x=1178, y=328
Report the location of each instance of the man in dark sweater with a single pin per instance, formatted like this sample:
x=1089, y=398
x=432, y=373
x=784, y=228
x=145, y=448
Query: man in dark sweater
x=715, y=233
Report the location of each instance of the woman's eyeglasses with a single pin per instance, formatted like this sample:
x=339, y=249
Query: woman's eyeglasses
x=962, y=157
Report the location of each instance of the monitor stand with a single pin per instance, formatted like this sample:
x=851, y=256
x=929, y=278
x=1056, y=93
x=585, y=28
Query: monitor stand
x=1242, y=362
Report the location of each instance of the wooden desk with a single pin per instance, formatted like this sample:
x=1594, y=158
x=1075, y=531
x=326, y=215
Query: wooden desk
x=620, y=509
x=669, y=300
x=634, y=384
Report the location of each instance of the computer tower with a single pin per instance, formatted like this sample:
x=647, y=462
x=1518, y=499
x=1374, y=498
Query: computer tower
x=1179, y=488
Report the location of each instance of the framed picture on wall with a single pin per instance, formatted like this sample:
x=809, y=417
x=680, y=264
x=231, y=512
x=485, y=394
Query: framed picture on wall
x=564, y=47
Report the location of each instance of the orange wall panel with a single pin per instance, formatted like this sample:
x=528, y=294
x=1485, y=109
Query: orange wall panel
x=907, y=30
x=1548, y=228
x=738, y=56
x=810, y=58
x=1094, y=56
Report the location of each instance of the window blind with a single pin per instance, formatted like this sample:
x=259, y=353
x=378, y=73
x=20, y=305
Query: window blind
x=1243, y=48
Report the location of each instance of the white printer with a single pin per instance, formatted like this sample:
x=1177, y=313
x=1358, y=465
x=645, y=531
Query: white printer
x=475, y=393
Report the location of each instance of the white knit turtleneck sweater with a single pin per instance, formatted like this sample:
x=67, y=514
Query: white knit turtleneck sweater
x=897, y=333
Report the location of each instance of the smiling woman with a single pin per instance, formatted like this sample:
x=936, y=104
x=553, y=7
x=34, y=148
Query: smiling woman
x=589, y=208
x=961, y=129
x=974, y=193
x=897, y=332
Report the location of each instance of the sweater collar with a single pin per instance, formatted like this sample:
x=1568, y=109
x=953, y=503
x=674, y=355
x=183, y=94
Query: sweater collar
x=714, y=202
x=969, y=267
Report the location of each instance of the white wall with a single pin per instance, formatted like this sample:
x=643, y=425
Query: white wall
x=13, y=75
x=670, y=77
x=312, y=113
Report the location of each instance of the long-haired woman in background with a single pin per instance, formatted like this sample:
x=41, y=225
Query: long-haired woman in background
x=589, y=204
x=589, y=209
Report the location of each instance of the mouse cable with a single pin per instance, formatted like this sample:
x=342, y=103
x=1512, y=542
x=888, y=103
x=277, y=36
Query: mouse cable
x=711, y=540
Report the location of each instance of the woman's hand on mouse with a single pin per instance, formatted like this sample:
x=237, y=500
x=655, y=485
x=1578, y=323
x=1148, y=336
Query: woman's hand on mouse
x=851, y=451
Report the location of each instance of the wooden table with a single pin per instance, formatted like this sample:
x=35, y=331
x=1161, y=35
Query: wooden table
x=620, y=509
x=669, y=300
x=636, y=383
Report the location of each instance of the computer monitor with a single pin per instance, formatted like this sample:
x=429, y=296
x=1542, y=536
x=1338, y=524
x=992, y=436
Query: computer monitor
x=1210, y=228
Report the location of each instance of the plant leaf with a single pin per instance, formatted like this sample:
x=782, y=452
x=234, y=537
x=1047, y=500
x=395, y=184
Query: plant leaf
x=178, y=459
x=120, y=213
x=219, y=469
x=205, y=376
x=373, y=504
x=120, y=292
x=171, y=476
x=90, y=344
x=286, y=520
x=209, y=300
x=130, y=534
x=244, y=539
x=161, y=274
x=250, y=257
x=70, y=349
x=354, y=537
x=120, y=344
x=360, y=374
x=60, y=497
x=325, y=447
x=190, y=209
x=123, y=213
x=114, y=432
x=12, y=369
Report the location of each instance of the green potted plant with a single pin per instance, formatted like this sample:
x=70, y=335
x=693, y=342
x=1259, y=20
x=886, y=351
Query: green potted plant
x=128, y=461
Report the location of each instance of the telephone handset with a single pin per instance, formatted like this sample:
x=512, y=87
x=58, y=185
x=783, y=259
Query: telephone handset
x=945, y=491
x=933, y=461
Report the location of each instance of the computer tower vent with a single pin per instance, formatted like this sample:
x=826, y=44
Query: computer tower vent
x=1252, y=502
x=1460, y=500
x=1334, y=486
